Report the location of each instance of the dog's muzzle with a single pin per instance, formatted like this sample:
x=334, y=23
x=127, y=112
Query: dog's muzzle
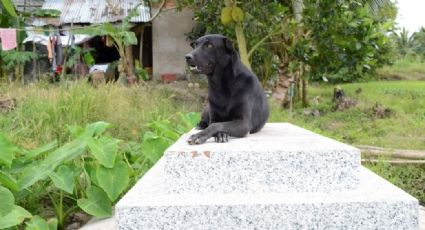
x=192, y=66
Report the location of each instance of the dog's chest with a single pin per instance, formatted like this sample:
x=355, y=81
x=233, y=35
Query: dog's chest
x=220, y=102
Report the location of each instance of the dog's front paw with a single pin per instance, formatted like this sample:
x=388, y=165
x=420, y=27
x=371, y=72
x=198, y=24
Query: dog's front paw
x=202, y=125
x=221, y=137
x=197, y=139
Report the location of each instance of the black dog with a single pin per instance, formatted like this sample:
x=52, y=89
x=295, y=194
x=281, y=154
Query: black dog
x=237, y=104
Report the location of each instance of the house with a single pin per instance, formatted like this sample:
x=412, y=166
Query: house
x=27, y=6
x=169, y=41
x=162, y=42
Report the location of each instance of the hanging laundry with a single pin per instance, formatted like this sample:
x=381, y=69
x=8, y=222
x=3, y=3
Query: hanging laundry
x=59, y=52
x=8, y=39
x=49, y=50
x=54, y=65
x=72, y=37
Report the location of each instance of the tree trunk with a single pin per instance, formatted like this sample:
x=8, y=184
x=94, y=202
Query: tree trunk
x=242, y=45
x=299, y=89
x=280, y=93
x=304, y=92
x=19, y=67
x=34, y=64
x=297, y=7
x=1, y=67
x=395, y=153
x=129, y=64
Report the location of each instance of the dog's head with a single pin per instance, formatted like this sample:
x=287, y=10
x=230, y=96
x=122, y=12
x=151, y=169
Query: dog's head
x=210, y=52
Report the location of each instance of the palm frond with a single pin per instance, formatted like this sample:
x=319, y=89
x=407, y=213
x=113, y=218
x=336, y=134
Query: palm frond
x=376, y=5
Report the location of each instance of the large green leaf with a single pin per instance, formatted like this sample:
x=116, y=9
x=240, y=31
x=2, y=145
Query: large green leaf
x=37, y=223
x=42, y=169
x=165, y=128
x=8, y=181
x=15, y=217
x=75, y=130
x=153, y=146
x=53, y=223
x=97, y=203
x=95, y=129
x=129, y=38
x=91, y=170
x=113, y=180
x=7, y=151
x=41, y=150
x=109, y=28
x=51, y=13
x=7, y=201
x=63, y=178
x=10, y=8
x=104, y=150
x=188, y=121
x=89, y=59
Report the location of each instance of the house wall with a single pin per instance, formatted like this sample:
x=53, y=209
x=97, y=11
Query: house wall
x=169, y=41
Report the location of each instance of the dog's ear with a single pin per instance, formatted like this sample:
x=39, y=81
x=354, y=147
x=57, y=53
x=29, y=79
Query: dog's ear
x=228, y=45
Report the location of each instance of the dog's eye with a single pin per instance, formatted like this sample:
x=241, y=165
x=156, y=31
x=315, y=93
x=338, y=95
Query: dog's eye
x=193, y=44
x=209, y=45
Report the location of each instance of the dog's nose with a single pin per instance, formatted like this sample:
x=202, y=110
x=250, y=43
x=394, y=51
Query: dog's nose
x=188, y=57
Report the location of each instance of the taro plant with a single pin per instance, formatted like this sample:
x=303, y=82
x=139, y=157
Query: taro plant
x=89, y=172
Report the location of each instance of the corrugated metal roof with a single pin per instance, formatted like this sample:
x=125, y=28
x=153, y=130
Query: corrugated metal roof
x=97, y=11
x=27, y=5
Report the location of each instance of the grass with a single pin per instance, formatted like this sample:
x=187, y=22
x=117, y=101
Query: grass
x=410, y=178
x=408, y=68
x=404, y=129
x=44, y=111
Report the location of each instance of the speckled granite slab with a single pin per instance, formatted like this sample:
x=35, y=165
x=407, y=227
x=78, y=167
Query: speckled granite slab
x=374, y=204
x=284, y=177
x=282, y=157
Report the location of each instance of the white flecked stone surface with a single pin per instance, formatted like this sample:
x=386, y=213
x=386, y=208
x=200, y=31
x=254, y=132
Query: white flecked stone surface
x=372, y=203
x=281, y=157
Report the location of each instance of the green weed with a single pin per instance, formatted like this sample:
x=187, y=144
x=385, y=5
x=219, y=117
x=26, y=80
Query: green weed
x=89, y=172
x=44, y=111
x=405, y=128
x=408, y=68
x=410, y=178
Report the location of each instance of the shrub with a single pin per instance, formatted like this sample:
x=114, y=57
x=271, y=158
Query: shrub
x=347, y=42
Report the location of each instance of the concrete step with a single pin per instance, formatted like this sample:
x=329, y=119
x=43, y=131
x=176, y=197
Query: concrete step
x=283, y=177
x=373, y=204
x=281, y=157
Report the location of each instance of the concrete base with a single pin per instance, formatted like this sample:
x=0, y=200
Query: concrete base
x=374, y=204
x=281, y=157
x=156, y=203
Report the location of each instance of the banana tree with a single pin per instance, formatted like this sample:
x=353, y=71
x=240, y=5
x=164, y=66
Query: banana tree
x=231, y=13
x=122, y=39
